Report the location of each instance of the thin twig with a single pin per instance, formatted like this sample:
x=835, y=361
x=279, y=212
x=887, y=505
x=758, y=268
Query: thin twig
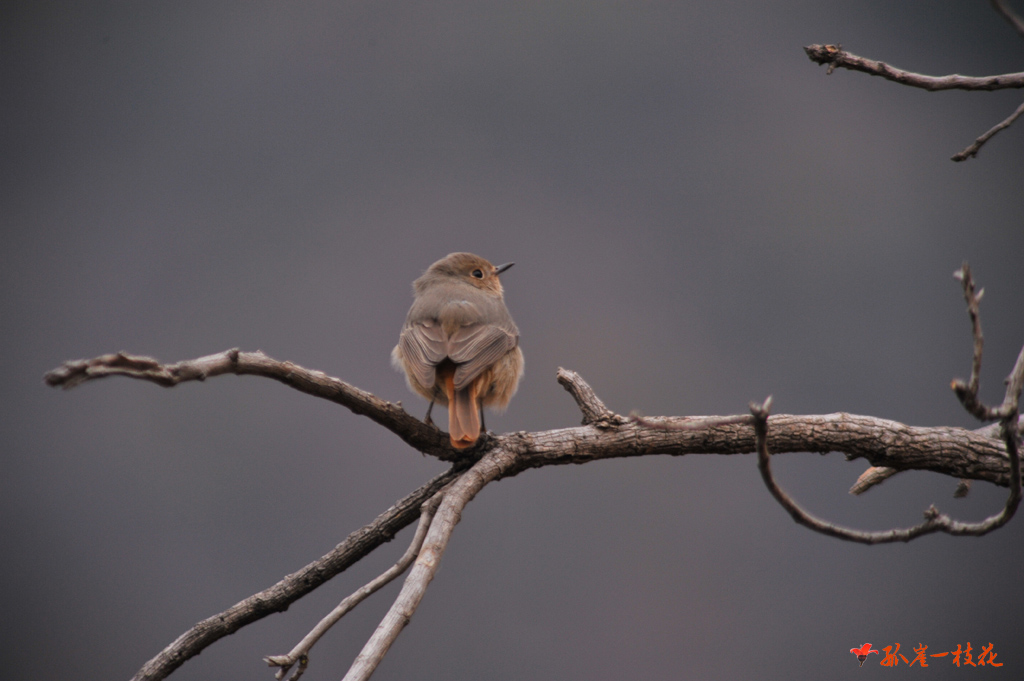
x=836, y=57
x=973, y=300
x=967, y=392
x=300, y=653
x=972, y=149
x=1013, y=19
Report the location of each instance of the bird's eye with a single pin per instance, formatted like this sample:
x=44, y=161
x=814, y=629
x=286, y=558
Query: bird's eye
x=478, y=274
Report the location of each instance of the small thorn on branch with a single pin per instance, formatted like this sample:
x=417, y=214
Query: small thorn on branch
x=872, y=477
x=963, y=488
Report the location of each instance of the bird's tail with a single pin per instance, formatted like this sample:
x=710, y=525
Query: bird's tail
x=463, y=412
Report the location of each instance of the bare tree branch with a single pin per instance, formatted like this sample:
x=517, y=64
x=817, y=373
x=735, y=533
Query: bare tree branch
x=836, y=57
x=691, y=423
x=426, y=438
x=990, y=454
x=956, y=452
x=876, y=475
x=296, y=585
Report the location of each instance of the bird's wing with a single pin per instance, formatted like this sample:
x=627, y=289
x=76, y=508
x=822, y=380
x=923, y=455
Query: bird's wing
x=475, y=347
x=424, y=347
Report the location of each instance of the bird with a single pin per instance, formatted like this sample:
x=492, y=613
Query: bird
x=459, y=346
x=862, y=652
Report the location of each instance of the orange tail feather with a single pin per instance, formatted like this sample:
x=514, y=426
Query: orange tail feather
x=463, y=413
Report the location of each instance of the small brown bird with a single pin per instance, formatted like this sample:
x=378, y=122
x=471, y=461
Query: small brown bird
x=459, y=345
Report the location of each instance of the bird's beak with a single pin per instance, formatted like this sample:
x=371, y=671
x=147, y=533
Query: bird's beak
x=501, y=268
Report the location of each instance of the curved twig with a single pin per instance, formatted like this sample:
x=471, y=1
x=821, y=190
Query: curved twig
x=933, y=522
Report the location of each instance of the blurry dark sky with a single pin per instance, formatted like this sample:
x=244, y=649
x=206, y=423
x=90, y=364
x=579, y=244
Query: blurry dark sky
x=699, y=217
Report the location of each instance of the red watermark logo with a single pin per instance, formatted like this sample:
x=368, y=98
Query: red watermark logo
x=960, y=656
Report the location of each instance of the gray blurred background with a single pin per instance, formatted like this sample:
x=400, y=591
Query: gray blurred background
x=699, y=216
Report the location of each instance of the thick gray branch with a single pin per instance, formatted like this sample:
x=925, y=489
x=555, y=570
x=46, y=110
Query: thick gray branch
x=956, y=452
